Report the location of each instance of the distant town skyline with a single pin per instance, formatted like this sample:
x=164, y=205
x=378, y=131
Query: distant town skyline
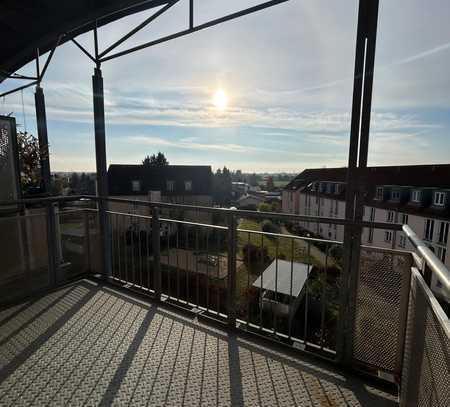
x=247, y=97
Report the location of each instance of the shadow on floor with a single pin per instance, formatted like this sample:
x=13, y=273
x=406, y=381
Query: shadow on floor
x=88, y=343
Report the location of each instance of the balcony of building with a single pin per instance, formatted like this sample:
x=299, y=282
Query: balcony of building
x=165, y=311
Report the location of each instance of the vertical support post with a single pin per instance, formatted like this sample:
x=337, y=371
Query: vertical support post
x=100, y=159
x=156, y=246
x=232, y=248
x=41, y=120
x=356, y=174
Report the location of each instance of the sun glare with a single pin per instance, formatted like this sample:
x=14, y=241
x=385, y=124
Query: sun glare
x=220, y=100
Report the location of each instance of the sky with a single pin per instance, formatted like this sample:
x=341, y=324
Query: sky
x=287, y=76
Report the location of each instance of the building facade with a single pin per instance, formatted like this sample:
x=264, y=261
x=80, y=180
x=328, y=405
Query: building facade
x=415, y=195
x=176, y=184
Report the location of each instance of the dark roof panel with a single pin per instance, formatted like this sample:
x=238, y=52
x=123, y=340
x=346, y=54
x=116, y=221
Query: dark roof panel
x=120, y=179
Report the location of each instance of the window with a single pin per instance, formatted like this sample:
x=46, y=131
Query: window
x=323, y=187
x=330, y=187
x=416, y=196
x=390, y=216
x=313, y=187
x=336, y=208
x=439, y=198
x=443, y=232
x=337, y=189
x=429, y=229
x=372, y=214
x=170, y=185
x=188, y=187
x=404, y=219
x=379, y=193
x=136, y=185
x=441, y=253
x=402, y=242
x=388, y=236
x=395, y=195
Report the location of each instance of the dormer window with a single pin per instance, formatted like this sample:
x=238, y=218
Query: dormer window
x=416, y=196
x=439, y=198
x=136, y=186
x=395, y=195
x=323, y=186
x=379, y=193
x=313, y=187
x=170, y=185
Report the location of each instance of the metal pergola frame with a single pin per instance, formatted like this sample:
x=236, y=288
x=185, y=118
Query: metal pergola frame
x=359, y=134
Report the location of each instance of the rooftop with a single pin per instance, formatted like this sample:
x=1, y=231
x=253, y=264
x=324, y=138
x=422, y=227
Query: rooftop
x=89, y=342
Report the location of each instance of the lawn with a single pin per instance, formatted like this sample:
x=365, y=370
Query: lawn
x=284, y=247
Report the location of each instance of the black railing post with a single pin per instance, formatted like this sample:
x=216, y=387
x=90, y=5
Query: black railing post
x=356, y=172
x=231, y=286
x=156, y=247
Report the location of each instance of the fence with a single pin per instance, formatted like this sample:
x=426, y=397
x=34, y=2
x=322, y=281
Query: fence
x=276, y=284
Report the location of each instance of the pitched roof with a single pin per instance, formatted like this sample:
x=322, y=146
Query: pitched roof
x=437, y=176
x=431, y=177
x=120, y=179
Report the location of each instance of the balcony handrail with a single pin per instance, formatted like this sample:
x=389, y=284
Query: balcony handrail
x=432, y=261
x=209, y=209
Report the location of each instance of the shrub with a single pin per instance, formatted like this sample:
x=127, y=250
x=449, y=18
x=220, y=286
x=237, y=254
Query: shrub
x=253, y=254
x=270, y=227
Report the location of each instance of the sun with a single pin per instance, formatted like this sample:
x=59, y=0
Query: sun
x=220, y=100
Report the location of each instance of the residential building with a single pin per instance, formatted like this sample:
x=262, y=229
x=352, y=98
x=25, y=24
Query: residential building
x=417, y=195
x=176, y=184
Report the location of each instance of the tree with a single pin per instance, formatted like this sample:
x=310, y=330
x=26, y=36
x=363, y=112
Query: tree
x=30, y=161
x=222, y=186
x=270, y=184
x=158, y=160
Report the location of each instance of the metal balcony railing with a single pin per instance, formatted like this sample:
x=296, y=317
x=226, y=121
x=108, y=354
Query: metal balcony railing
x=219, y=263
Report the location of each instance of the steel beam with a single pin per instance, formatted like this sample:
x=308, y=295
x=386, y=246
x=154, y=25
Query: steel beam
x=200, y=27
x=356, y=173
x=100, y=158
x=138, y=28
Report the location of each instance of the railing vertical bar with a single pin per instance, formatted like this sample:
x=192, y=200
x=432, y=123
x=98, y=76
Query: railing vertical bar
x=274, y=318
x=248, y=279
x=187, y=274
x=218, y=271
x=207, y=270
x=156, y=246
x=177, y=242
x=140, y=251
x=133, y=260
x=147, y=255
x=88, y=240
x=261, y=287
x=231, y=284
x=113, y=260
x=290, y=290
x=169, y=267
x=324, y=295
x=305, y=328
x=118, y=231
x=125, y=220
x=197, y=288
